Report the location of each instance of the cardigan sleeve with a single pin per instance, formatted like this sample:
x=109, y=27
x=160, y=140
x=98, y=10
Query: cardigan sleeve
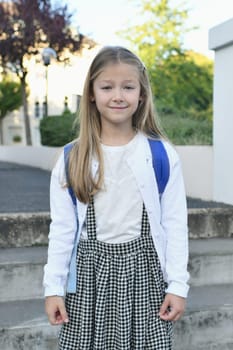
x=61, y=234
x=174, y=223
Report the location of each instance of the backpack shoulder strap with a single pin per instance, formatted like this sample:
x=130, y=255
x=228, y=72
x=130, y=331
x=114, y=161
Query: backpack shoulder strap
x=160, y=164
x=67, y=149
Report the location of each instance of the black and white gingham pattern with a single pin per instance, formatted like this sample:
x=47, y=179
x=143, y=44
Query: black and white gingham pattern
x=119, y=292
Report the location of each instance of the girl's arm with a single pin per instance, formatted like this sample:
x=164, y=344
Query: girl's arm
x=174, y=222
x=61, y=235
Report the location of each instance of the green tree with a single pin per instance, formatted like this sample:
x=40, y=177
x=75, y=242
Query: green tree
x=183, y=84
x=27, y=26
x=10, y=99
x=158, y=33
x=181, y=80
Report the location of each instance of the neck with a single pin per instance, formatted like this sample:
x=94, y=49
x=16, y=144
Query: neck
x=117, y=137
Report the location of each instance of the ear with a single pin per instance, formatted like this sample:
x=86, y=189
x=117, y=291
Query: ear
x=92, y=98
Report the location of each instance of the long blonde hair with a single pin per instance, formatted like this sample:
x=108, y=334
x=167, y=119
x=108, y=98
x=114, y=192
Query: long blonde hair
x=88, y=145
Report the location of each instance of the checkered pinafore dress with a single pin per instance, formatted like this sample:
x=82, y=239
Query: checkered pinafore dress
x=119, y=293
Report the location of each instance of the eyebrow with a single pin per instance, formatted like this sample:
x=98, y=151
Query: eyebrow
x=124, y=81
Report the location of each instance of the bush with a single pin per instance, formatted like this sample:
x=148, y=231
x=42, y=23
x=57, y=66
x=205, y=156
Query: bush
x=187, y=130
x=56, y=131
x=17, y=138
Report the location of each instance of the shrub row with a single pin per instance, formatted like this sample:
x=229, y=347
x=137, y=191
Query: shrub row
x=56, y=131
x=189, y=130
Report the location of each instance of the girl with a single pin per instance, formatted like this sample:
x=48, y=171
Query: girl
x=121, y=252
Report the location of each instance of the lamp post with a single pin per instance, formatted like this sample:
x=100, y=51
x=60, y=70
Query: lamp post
x=47, y=54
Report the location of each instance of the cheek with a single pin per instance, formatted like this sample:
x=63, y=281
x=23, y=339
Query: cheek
x=101, y=99
x=99, y=102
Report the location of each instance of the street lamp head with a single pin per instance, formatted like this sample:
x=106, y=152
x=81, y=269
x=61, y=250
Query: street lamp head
x=47, y=54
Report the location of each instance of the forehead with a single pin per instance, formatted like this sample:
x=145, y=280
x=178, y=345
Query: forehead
x=118, y=71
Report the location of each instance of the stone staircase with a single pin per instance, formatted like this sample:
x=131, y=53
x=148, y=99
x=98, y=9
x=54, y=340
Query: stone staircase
x=206, y=325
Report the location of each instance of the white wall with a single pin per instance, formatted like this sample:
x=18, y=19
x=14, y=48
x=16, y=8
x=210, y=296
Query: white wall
x=36, y=156
x=197, y=163
x=221, y=40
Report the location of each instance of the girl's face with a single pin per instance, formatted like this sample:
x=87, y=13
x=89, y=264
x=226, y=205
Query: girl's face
x=116, y=92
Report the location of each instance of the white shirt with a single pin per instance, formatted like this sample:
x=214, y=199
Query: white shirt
x=118, y=206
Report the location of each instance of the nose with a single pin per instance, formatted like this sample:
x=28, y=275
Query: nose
x=118, y=96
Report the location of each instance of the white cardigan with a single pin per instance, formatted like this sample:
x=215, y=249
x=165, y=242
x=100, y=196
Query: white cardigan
x=167, y=217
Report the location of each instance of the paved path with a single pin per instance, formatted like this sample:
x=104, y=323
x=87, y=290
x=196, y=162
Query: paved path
x=26, y=189
x=23, y=188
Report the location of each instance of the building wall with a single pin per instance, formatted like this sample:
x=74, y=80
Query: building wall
x=221, y=41
x=62, y=81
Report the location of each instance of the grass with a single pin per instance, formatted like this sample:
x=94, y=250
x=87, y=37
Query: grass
x=187, y=130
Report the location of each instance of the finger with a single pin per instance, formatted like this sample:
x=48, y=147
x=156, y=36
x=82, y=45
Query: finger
x=164, y=308
x=52, y=318
x=173, y=315
x=63, y=314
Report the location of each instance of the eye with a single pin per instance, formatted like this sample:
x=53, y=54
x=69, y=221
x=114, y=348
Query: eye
x=108, y=87
x=129, y=87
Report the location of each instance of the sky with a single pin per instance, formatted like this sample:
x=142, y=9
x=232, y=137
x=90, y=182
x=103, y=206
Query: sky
x=101, y=19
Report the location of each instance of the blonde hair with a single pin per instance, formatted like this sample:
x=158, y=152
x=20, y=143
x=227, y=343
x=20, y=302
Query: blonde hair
x=88, y=145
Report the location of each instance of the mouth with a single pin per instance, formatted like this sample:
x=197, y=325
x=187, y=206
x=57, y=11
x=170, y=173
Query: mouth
x=118, y=107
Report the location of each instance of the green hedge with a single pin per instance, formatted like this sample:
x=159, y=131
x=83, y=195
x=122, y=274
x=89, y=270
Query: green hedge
x=56, y=131
x=187, y=131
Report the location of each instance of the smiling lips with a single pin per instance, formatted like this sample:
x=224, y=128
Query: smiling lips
x=118, y=107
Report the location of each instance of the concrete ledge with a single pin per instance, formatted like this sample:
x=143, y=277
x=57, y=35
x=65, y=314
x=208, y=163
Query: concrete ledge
x=221, y=35
x=39, y=336
x=21, y=272
x=210, y=223
x=201, y=329
x=205, y=329
x=211, y=262
x=24, y=229
x=31, y=229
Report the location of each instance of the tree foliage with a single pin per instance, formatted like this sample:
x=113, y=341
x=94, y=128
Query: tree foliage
x=56, y=131
x=181, y=80
x=157, y=34
x=26, y=26
x=10, y=99
x=183, y=84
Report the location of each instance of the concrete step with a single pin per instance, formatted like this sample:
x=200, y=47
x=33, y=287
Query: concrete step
x=31, y=229
x=21, y=269
x=210, y=223
x=24, y=229
x=21, y=272
x=207, y=323
x=208, y=320
x=23, y=325
x=211, y=261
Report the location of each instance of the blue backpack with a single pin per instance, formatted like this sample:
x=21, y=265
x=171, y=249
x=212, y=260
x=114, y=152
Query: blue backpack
x=160, y=164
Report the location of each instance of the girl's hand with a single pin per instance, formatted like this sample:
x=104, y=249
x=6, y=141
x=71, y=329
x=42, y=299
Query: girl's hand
x=172, y=308
x=55, y=310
